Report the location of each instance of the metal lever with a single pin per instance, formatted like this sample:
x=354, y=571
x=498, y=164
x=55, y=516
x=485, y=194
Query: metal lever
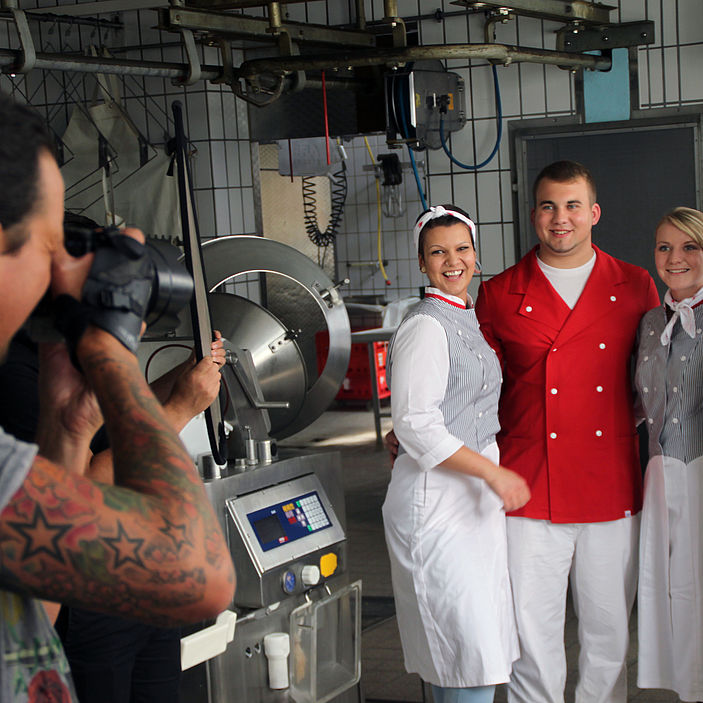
x=331, y=295
x=251, y=390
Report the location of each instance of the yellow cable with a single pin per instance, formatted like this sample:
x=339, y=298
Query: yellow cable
x=378, y=204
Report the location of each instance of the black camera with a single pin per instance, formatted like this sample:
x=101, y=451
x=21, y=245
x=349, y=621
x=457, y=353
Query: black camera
x=168, y=286
x=171, y=284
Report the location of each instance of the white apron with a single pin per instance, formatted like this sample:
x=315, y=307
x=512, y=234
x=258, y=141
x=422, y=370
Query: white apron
x=670, y=598
x=446, y=540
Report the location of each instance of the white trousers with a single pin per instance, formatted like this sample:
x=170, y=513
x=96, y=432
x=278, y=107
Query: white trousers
x=600, y=561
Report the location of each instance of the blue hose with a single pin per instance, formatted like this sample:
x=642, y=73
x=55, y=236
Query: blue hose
x=499, y=136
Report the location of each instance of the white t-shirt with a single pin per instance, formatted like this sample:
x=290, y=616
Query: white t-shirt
x=569, y=283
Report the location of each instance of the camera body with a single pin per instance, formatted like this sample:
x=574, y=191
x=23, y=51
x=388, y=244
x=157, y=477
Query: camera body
x=169, y=286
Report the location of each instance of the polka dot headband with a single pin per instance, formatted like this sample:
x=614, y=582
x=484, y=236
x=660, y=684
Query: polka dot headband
x=440, y=211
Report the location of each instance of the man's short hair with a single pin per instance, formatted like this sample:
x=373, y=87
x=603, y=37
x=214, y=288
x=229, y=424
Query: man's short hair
x=24, y=136
x=563, y=172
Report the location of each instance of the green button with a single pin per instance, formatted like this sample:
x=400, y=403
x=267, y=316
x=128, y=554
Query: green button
x=309, y=528
x=297, y=502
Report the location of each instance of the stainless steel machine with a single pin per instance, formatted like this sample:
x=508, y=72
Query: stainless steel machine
x=292, y=633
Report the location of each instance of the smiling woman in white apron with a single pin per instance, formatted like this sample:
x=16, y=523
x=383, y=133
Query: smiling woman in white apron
x=669, y=380
x=444, y=512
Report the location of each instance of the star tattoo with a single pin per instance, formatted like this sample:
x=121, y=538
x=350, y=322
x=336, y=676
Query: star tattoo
x=41, y=537
x=170, y=531
x=125, y=548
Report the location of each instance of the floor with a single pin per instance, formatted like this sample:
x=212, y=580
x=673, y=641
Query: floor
x=366, y=475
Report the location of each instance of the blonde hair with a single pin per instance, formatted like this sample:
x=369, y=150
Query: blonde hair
x=687, y=220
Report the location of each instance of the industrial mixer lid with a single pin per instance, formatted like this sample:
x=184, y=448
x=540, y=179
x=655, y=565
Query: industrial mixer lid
x=227, y=257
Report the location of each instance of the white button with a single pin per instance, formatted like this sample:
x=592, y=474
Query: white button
x=599, y=433
x=650, y=421
x=645, y=389
x=599, y=389
x=528, y=308
x=651, y=333
x=613, y=298
x=485, y=385
x=675, y=389
x=480, y=414
x=553, y=391
x=699, y=330
x=459, y=331
x=601, y=345
x=553, y=435
x=675, y=420
x=554, y=349
x=646, y=358
x=683, y=358
x=480, y=356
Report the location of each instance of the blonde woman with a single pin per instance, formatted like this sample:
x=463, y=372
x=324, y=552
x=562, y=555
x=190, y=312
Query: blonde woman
x=669, y=380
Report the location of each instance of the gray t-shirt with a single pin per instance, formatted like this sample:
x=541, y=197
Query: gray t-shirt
x=33, y=666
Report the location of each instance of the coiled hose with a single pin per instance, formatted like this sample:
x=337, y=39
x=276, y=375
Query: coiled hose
x=338, y=196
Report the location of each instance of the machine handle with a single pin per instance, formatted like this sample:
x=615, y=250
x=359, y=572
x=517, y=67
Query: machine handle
x=208, y=642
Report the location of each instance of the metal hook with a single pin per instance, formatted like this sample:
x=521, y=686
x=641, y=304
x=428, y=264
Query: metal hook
x=27, y=55
x=194, y=68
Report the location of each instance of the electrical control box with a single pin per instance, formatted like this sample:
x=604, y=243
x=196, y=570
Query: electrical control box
x=418, y=100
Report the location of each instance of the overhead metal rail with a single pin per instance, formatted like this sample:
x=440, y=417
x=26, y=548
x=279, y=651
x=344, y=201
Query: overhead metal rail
x=10, y=61
x=500, y=52
x=220, y=23
x=506, y=54
x=582, y=11
x=587, y=28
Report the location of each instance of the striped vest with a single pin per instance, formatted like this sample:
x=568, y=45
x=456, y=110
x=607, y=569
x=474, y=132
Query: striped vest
x=470, y=403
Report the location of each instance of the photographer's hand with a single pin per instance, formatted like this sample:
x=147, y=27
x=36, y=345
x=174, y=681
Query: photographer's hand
x=69, y=411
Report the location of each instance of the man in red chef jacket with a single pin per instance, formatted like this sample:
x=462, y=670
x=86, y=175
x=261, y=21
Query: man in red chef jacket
x=563, y=322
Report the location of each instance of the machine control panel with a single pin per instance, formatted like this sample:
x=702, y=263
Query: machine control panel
x=285, y=522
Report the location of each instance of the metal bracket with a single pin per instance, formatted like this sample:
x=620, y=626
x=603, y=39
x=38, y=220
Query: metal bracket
x=27, y=55
x=194, y=68
x=579, y=39
x=499, y=16
x=227, y=76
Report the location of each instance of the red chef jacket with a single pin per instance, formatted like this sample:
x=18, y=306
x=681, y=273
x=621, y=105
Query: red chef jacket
x=566, y=407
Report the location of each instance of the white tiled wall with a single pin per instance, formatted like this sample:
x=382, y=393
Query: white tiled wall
x=215, y=121
x=671, y=75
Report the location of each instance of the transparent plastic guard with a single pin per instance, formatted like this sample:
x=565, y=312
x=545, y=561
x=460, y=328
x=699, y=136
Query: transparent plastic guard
x=325, y=646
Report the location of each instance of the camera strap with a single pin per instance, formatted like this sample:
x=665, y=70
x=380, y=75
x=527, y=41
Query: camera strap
x=199, y=305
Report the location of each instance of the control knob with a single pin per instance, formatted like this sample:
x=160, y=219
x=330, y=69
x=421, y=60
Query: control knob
x=310, y=575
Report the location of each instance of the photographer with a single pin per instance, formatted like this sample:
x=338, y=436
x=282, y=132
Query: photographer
x=149, y=547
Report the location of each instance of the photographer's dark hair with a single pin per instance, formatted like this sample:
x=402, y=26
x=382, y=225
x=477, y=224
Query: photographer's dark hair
x=443, y=221
x=24, y=135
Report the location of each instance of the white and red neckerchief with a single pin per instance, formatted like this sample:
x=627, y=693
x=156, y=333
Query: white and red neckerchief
x=683, y=309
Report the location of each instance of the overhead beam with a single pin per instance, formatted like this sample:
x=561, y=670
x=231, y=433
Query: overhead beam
x=177, y=18
x=99, y=64
x=558, y=10
x=102, y=7
x=498, y=52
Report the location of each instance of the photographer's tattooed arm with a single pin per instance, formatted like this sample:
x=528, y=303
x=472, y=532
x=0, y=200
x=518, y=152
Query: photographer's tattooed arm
x=148, y=547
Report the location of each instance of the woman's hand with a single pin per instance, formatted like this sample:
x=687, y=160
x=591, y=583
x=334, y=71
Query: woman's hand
x=511, y=488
